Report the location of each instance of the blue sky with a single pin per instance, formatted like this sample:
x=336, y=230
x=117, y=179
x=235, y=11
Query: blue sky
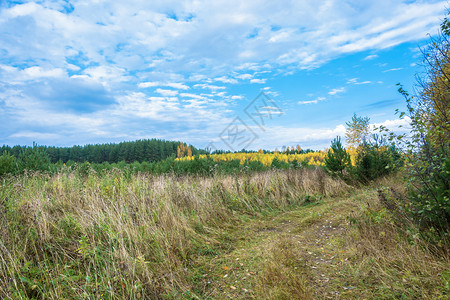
x=97, y=71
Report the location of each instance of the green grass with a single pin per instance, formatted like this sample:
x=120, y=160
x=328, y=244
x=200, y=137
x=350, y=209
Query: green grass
x=269, y=235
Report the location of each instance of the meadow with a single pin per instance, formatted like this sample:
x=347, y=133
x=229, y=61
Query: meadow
x=275, y=234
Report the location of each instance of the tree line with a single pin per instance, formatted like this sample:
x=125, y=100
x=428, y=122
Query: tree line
x=150, y=150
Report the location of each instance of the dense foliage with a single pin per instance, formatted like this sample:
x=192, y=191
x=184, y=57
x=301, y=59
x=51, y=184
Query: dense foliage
x=373, y=158
x=428, y=145
x=140, y=150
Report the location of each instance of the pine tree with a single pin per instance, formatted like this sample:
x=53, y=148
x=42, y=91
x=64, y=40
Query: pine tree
x=337, y=161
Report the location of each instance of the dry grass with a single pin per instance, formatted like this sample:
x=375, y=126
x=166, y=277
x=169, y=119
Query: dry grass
x=391, y=257
x=279, y=278
x=119, y=236
x=347, y=247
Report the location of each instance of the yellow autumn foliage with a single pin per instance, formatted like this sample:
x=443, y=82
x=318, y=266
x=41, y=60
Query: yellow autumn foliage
x=312, y=158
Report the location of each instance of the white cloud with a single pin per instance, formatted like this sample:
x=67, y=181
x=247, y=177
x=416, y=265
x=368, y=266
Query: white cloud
x=225, y=79
x=336, y=91
x=148, y=84
x=258, y=80
x=281, y=36
x=135, y=44
x=393, y=69
x=370, y=57
x=244, y=76
x=166, y=93
x=317, y=138
x=209, y=86
x=308, y=102
x=220, y=94
x=355, y=81
x=106, y=74
x=315, y=101
x=189, y=95
x=37, y=72
x=396, y=124
x=175, y=85
x=135, y=34
x=239, y=97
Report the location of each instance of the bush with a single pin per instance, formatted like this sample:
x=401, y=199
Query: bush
x=8, y=164
x=429, y=191
x=374, y=161
x=427, y=146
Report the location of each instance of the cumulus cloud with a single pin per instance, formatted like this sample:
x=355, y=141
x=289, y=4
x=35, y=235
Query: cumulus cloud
x=136, y=34
x=396, y=124
x=306, y=137
x=244, y=76
x=61, y=60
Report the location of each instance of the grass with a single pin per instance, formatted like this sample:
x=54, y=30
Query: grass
x=295, y=234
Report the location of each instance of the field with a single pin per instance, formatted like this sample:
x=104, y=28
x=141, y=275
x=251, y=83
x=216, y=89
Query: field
x=279, y=234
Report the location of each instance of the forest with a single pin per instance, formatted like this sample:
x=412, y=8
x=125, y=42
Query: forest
x=141, y=150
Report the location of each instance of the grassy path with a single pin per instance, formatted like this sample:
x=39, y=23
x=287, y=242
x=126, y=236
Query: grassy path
x=314, y=252
x=293, y=254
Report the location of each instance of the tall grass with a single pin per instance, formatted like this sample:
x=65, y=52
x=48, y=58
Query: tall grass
x=73, y=235
x=393, y=257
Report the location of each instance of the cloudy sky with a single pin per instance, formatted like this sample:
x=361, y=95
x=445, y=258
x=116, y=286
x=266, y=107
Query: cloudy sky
x=224, y=74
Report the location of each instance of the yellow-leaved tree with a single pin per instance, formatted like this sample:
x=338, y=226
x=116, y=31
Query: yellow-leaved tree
x=357, y=132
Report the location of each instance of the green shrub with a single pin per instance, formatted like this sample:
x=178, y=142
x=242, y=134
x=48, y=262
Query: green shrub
x=427, y=146
x=8, y=164
x=374, y=161
x=429, y=192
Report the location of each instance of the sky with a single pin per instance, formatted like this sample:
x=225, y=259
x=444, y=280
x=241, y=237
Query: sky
x=217, y=74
